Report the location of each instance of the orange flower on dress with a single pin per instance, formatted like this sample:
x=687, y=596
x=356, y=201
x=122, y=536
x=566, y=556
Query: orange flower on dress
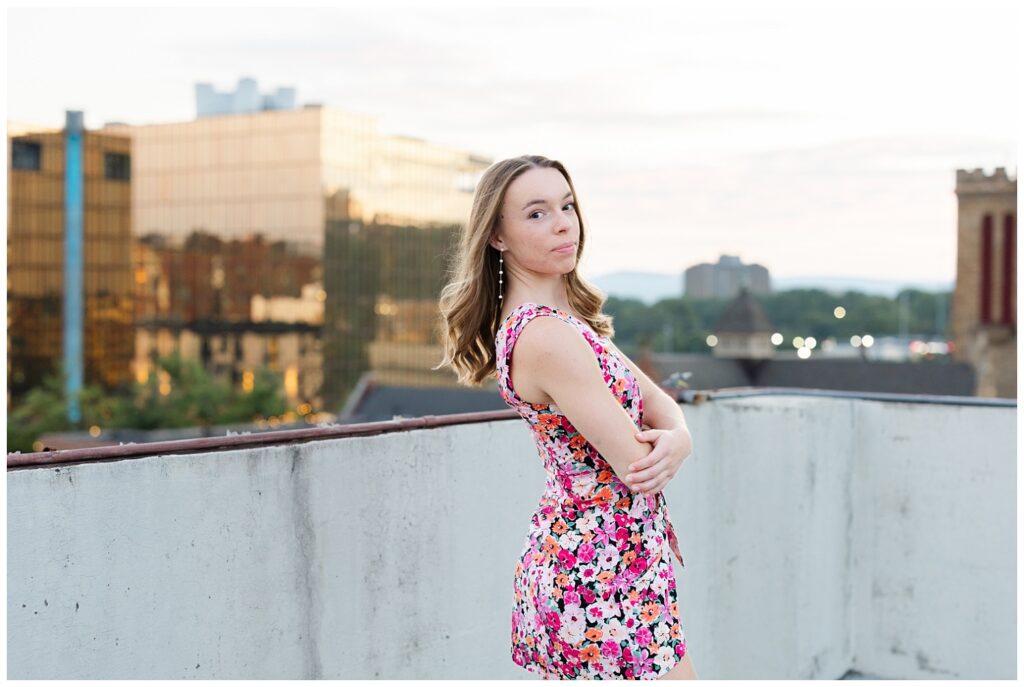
x=550, y=546
x=635, y=537
x=594, y=634
x=559, y=527
x=650, y=611
x=605, y=476
x=633, y=595
x=548, y=421
x=603, y=496
x=562, y=580
x=674, y=609
x=620, y=384
x=590, y=653
x=624, y=503
x=578, y=441
x=557, y=593
x=628, y=557
x=604, y=577
x=677, y=632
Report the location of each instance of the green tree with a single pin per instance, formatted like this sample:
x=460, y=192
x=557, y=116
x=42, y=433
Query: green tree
x=45, y=409
x=683, y=324
x=185, y=395
x=264, y=400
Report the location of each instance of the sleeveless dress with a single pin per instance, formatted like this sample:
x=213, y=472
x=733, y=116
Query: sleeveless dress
x=594, y=587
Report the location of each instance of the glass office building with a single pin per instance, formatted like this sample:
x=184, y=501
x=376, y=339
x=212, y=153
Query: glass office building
x=37, y=248
x=304, y=239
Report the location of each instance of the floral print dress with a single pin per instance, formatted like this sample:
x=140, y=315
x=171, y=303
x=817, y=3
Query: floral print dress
x=594, y=587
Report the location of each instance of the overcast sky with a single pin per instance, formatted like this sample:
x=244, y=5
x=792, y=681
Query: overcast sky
x=814, y=141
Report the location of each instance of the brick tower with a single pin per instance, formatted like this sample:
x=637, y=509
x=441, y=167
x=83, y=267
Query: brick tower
x=984, y=310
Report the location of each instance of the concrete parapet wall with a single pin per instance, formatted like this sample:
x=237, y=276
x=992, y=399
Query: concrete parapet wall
x=819, y=535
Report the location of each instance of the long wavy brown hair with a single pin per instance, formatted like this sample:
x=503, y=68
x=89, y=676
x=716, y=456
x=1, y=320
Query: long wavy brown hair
x=469, y=304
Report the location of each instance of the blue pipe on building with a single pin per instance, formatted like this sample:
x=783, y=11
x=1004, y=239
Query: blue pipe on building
x=74, y=286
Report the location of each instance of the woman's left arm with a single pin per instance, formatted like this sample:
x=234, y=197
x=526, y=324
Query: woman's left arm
x=667, y=432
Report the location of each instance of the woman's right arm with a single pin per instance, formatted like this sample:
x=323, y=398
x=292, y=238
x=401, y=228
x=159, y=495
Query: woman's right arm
x=559, y=360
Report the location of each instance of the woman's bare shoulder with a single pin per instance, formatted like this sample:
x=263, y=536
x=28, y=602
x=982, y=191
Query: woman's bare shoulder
x=549, y=335
x=552, y=351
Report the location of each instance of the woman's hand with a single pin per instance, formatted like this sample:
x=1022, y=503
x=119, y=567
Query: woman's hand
x=650, y=474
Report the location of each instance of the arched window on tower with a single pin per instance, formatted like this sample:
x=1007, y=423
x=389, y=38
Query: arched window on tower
x=1008, y=269
x=986, y=269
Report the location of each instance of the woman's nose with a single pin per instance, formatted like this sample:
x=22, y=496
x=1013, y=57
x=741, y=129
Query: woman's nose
x=564, y=220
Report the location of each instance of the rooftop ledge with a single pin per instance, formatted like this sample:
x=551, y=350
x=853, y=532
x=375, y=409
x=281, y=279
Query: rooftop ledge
x=825, y=534
x=272, y=438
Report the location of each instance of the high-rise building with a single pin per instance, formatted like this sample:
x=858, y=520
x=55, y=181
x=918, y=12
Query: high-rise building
x=241, y=217
x=984, y=309
x=69, y=276
x=725, y=279
x=245, y=98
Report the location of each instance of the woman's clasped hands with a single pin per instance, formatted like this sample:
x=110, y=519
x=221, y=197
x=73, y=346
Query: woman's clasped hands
x=650, y=474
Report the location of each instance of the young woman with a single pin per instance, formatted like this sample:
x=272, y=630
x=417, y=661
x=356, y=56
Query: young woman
x=594, y=587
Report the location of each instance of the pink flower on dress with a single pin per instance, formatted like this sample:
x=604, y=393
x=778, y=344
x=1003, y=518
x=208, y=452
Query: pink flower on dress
x=638, y=565
x=611, y=649
x=643, y=661
x=588, y=595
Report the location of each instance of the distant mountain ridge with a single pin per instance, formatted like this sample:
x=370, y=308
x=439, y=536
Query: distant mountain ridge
x=650, y=287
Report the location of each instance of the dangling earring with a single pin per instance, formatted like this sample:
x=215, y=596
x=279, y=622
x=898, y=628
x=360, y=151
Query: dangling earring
x=501, y=271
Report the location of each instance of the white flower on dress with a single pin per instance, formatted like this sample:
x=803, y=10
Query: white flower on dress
x=587, y=523
x=573, y=624
x=601, y=611
x=570, y=540
x=611, y=609
x=661, y=632
x=659, y=585
x=665, y=658
x=615, y=630
x=607, y=557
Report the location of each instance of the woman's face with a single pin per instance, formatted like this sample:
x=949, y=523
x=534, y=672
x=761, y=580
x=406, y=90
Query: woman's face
x=537, y=217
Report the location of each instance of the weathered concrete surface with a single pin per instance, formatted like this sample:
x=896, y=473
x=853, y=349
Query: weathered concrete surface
x=820, y=536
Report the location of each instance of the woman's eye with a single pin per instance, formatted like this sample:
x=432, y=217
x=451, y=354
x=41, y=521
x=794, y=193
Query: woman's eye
x=566, y=205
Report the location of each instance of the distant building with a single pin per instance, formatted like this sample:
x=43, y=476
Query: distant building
x=724, y=279
x=238, y=215
x=245, y=98
x=984, y=309
x=743, y=330
x=69, y=271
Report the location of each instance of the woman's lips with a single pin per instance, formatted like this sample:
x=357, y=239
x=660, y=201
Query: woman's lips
x=566, y=249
